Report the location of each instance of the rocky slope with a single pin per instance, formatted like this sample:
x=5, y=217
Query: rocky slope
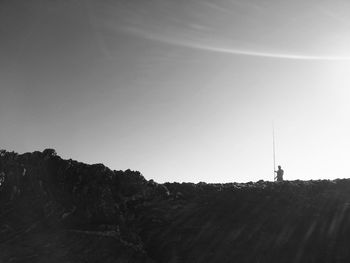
x=55, y=210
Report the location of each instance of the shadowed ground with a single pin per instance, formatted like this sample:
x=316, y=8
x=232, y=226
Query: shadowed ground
x=55, y=210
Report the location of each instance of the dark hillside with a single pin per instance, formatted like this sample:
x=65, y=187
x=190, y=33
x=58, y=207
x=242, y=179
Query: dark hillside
x=55, y=210
x=261, y=222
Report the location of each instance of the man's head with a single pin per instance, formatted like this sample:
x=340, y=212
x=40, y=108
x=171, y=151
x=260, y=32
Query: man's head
x=279, y=167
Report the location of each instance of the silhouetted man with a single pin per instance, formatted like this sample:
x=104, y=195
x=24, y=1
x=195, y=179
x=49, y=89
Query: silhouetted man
x=279, y=173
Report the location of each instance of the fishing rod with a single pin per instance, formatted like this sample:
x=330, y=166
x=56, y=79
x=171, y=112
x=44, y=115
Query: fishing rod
x=274, y=151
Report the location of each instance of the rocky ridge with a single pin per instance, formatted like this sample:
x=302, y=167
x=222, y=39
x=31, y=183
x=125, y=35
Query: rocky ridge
x=55, y=210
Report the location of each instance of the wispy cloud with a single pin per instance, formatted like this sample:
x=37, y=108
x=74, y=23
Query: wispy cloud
x=230, y=50
x=233, y=27
x=266, y=54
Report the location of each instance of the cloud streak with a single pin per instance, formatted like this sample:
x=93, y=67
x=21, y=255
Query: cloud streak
x=231, y=50
x=252, y=53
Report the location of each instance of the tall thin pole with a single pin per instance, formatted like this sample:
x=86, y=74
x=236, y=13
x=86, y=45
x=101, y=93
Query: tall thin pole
x=274, y=152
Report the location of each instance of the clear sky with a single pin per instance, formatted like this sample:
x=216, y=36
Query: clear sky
x=181, y=90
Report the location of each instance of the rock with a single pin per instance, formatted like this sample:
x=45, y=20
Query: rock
x=55, y=210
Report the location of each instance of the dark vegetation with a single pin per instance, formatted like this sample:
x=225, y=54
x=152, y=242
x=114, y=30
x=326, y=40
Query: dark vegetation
x=55, y=210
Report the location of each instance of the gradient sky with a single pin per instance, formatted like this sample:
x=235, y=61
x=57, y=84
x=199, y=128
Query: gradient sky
x=181, y=90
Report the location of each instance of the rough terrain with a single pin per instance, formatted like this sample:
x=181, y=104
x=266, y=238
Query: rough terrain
x=55, y=210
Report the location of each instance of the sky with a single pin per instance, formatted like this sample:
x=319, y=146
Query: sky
x=180, y=90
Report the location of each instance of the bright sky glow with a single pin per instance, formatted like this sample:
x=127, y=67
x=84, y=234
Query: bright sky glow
x=180, y=90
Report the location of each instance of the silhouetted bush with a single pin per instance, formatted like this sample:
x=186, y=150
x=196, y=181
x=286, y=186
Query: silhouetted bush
x=49, y=152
